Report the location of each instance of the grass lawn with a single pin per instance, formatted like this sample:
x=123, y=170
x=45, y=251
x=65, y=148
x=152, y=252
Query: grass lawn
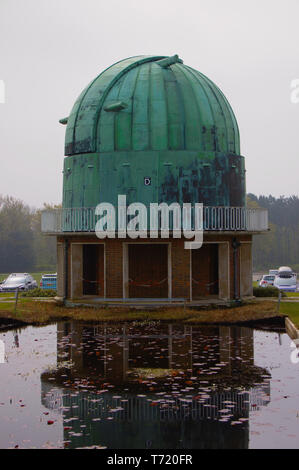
x=37, y=312
x=292, y=310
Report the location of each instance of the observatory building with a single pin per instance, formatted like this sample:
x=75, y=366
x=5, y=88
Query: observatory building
x=154, y=130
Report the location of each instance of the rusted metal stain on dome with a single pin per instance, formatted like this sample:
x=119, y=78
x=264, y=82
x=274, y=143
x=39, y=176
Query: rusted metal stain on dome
x=216, y=181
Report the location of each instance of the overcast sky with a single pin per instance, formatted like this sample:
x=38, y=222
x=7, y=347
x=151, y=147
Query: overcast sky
x=51, y=49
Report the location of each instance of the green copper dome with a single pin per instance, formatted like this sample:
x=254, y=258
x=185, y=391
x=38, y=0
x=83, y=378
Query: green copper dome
x=155, y=130
x=151, y=103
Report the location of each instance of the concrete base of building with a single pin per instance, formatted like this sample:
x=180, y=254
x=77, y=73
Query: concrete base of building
x=151, y=271
x=146, y=303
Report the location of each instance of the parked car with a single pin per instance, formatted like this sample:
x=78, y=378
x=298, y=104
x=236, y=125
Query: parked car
x=22, y=281
x=286, y=279
x=273, y=272
x=48, y=281
x=267, y=280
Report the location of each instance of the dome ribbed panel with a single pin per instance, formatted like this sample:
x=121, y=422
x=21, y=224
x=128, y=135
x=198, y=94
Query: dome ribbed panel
x=172, y=108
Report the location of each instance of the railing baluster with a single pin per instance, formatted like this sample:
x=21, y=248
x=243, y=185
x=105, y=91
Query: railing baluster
x=214, y=219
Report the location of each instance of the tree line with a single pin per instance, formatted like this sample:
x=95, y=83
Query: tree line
x=24, y=248
x=280, y=246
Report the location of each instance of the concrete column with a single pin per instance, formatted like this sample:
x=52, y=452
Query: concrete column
x=223, y=270
x=169, y=271
x=60, y=270
x=76, y=270
x=246, y=288
x=179, y=266
x=125, y=271
x=114, y=268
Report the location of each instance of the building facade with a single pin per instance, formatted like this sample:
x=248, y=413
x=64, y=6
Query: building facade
x=156, y=131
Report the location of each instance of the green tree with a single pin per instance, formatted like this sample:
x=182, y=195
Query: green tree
x=16, y=236
x=281, y=245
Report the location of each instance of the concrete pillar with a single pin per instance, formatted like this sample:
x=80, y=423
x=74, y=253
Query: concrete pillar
x=114, y=268
x=125, y=271
x=76, y=270
x=246, y=288
x=223, y=270
x=179, y=268
x=60, y=270
x=169, y=271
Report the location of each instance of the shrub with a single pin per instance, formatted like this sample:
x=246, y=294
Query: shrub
x=38, y=292
x=267, y=292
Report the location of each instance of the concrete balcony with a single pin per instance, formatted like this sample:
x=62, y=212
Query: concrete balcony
x=215, y=219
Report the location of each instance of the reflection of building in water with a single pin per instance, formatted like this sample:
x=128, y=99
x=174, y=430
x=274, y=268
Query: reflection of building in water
x=116, y=353
x=133, y=408
x=167, y=385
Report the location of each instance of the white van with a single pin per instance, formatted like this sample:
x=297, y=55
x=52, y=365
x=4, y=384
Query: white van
x=286, y=279
x=273, y=272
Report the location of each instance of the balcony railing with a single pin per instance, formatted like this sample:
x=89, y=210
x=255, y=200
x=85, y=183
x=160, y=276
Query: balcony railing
x=84, y=219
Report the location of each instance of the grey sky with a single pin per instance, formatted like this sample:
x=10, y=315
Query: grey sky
x=51, y=49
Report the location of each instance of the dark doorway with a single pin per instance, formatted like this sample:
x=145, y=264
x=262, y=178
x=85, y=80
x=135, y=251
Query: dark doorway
x=93, y=270
x=148, y=271
x=205, y=271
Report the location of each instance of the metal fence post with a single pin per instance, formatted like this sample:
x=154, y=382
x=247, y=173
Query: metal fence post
x=279, y=299
x=16, y=299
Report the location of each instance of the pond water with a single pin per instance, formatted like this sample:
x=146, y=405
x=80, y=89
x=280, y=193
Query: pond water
x=148, y=386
